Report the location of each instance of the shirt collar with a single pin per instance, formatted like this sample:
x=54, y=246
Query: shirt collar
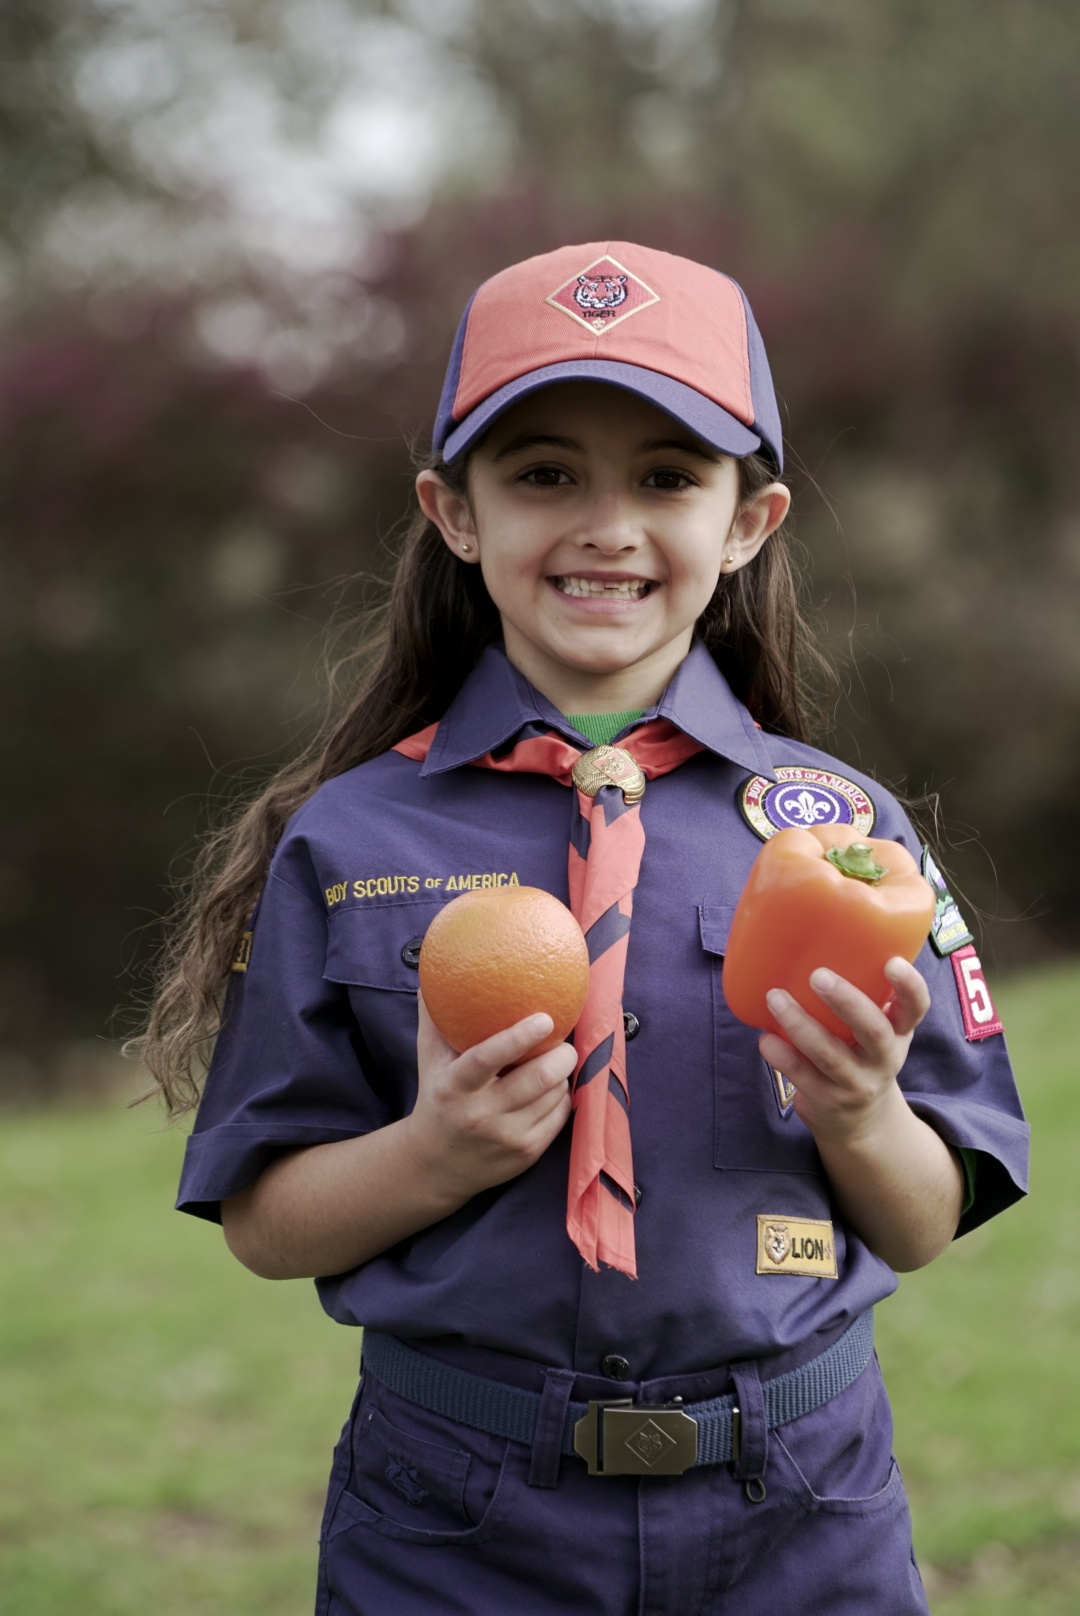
x=496, y=701
x=701, y=703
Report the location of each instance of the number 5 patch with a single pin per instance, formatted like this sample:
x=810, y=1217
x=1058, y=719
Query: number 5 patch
x=981, y=1020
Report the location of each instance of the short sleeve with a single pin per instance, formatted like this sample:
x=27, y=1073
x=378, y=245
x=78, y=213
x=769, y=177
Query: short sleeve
x=288, y=1068
x=964, y=1086
x=966, y=1091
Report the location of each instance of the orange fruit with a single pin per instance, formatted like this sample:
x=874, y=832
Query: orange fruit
x=491, y=957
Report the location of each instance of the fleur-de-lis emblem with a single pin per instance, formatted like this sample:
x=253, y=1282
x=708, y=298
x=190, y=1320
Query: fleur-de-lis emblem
x=807, y=808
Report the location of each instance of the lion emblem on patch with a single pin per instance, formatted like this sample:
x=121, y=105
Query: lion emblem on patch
x=777, y=1244
x=599, y=294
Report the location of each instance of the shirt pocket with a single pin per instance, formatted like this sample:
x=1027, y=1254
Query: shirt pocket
x=372, y=950
x=378, y=945
x=755, y=1127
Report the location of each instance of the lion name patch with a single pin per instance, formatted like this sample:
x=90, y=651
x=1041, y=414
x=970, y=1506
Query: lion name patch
x=602, y=295
x=796, y=1246
x=800, y=798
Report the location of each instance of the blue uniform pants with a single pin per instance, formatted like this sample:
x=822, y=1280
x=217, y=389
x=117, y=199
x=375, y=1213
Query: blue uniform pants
x=427, y=1516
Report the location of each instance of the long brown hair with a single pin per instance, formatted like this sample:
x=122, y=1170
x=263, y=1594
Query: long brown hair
x=438, y=620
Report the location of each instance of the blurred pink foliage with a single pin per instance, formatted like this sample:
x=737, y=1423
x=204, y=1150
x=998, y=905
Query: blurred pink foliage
x=178, y=529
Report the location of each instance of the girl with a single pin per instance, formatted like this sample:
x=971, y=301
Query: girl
x=618, y=1347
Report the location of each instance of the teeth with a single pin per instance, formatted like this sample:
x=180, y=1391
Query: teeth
x=625, y=589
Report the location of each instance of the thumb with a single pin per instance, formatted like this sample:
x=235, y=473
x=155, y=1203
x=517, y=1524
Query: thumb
x=431, y=1047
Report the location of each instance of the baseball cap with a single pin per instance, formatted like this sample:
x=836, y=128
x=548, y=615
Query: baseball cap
x=673, y=331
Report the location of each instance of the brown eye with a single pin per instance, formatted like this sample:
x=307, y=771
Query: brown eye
x=544, y=476
x=669, y=480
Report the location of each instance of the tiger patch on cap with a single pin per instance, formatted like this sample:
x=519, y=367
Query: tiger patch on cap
x=602, y=295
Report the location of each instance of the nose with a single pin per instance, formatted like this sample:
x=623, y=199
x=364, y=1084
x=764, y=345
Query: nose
x=608, y=523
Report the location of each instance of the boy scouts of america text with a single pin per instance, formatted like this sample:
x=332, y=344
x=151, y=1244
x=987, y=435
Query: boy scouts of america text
x=388, y=886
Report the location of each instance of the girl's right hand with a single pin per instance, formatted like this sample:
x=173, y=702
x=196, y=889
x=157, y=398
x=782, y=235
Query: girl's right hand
x=484, y=1116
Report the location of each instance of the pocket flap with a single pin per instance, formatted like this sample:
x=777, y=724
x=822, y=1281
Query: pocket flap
x=716, y=921
x=370, y=946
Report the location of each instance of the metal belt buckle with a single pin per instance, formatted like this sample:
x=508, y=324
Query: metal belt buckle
x=632, y=1439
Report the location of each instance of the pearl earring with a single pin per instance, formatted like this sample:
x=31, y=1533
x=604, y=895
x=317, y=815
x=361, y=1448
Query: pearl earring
x=465, y=548
x=729, y=560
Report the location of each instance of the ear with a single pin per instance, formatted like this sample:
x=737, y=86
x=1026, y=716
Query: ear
x=754, y=520
x=450, y=514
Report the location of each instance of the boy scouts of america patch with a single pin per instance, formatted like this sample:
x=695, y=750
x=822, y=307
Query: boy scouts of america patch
x=796, y=1246
x=602, y=295
x=949, y=931
x=800, y=798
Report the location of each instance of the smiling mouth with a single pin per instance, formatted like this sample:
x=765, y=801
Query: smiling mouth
x=603, y=588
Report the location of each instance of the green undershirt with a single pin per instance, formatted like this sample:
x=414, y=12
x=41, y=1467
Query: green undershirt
x=601, y=729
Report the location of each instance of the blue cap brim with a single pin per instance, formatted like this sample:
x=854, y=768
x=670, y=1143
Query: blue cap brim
x=708, y=421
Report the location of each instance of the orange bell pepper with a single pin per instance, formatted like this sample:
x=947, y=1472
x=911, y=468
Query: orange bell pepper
x=823, y=897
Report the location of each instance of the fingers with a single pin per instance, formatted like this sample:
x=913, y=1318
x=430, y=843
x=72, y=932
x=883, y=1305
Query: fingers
x=540, y=1076
x=498, y=1063
x=781, y=1056
x=912, y=999
x=478, y=1065
x=525, y=1107
x=873, y=1028
x=806, y=1050
x=549, y=1110
x=874, y=1034
x=489, y=1113
x=805, y=1047
x=869, y=1025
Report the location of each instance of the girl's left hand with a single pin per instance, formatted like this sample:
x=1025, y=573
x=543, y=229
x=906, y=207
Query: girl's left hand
x=844, y=1091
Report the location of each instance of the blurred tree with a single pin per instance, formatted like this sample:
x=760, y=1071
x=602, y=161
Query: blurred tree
x=48, y=147
x=606, y=101
x=946, y=131
x=171, y=539
x=894, y=187
x=907, y=185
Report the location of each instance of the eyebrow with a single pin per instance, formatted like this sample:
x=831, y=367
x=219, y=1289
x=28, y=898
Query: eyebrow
x=691, y=446
x=533, y=440
x=552, y=440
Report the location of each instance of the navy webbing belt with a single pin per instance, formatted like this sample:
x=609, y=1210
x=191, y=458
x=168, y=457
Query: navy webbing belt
x=617, y=1436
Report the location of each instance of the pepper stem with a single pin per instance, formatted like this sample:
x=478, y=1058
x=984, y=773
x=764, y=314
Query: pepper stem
x=858, y=861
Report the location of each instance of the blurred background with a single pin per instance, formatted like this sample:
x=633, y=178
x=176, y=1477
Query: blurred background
x=235, y=238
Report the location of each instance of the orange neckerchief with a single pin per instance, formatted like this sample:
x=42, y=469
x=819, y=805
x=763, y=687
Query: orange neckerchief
x=607, y=840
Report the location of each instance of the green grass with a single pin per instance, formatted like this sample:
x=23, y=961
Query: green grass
x=980, y=1352
x=167, y=1419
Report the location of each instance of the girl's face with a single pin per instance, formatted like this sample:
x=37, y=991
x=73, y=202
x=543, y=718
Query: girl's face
x=601, y=526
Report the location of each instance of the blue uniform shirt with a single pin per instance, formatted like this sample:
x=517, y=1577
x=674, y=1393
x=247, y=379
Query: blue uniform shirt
x=319, y=1044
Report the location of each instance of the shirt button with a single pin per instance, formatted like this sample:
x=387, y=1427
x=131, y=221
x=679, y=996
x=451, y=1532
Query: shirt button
x=410, y=954
x=614, y=1367
x=631, y=1025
